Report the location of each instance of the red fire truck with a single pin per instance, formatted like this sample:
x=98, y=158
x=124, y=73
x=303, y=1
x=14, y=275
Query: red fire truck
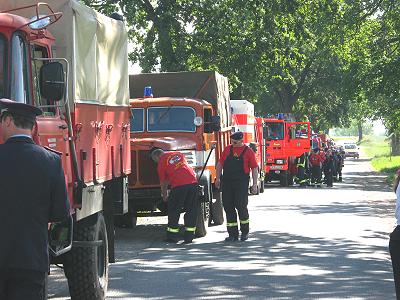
x=244, y=120
x=285, y=141
x=85, y=99
x=189, y=113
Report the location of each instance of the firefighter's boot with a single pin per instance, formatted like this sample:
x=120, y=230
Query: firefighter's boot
x=233, y=232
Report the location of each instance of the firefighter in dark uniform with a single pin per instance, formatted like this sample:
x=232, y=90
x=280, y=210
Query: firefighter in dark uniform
x=33, y=193
x=302, y=163
x=236, y=162
x=329, y=168
x=173, y=170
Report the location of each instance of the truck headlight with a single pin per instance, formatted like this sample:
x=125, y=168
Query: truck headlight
x=280, y=161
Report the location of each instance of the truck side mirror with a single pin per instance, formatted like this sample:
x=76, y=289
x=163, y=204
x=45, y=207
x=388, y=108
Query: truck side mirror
x=216, y=123
x=52, y=81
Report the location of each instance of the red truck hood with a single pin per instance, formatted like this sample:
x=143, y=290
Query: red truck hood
x=166, y=143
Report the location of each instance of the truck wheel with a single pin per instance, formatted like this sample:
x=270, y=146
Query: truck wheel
x=262, y=187
x=217, y=210
x=87, y=267
x=290, y=179
x=128, y=220
x=46, y=286
x=283, y=179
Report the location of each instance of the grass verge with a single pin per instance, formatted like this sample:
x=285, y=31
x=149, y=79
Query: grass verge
x=378, y=149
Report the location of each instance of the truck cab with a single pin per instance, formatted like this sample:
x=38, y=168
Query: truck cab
x=286, y=140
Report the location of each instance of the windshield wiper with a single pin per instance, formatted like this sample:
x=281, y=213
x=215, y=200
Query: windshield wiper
x=164, y=114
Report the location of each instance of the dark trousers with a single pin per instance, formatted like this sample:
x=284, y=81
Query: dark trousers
x=316, y=175
x=394, y=248
x=329, y=178
x=17, y=284
x=340, y=173
x=185, y=197
x=235, y=197
x=301, y=174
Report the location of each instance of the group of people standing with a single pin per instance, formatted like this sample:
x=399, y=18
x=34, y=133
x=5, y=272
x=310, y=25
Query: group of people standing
x=328, y=162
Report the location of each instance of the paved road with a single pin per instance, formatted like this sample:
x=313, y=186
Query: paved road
x=305, y=244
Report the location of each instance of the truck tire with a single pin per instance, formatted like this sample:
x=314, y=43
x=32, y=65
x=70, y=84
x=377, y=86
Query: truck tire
x=128, y=220
x=203, y=210
x=217, y=209
x=86, y=268
x=290, y=179
x=283, y=179
x=46, y=286
x=262, y=187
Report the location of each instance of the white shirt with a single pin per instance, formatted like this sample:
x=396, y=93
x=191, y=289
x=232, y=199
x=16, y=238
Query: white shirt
x=398, y=205
x=20, y=135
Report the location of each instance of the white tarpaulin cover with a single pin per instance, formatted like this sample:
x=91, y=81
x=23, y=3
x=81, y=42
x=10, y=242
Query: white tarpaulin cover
x=95, y=46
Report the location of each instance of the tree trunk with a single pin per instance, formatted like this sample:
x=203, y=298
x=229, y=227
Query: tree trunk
x=360, y=131
x=396, y=144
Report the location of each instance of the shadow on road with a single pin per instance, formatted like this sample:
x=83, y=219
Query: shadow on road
x=272, y=265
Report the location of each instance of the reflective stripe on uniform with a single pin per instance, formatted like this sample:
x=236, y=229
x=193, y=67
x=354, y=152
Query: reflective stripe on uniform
x=173, y=230
x=301, y=165
x=191, y=229
x=304, y=181
x=232, y=224
x=245, y=221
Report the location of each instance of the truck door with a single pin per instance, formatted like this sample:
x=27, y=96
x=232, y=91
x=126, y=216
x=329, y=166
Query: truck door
x=298, y=138
x=51, y=125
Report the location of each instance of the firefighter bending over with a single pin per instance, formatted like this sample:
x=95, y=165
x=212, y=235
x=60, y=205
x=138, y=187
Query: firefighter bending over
x=174, y=170
x=236, y=162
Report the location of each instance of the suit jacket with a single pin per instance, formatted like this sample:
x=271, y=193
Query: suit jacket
x=32, y=193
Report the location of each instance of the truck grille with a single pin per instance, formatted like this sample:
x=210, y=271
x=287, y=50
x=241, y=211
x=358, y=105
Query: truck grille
x=147, y=169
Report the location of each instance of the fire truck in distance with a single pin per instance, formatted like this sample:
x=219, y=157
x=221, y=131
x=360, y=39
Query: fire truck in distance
x=190, y=113
x=85, y=99
x=285, y=140
x=243, y=119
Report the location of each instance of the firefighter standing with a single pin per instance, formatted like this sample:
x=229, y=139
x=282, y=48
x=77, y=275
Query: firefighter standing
x=236, y=163
x=302, y=162
x=33, y=193
x=316, y=161
x=174, y=170
x=329, y=168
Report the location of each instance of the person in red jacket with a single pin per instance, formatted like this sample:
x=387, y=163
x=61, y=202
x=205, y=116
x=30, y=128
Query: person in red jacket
x=316, y=160
x=237, y=161
x=173, y=170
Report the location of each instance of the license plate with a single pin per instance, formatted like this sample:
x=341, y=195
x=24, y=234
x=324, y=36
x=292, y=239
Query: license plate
x=276, y=167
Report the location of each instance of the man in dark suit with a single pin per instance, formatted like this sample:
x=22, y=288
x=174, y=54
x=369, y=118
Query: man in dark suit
x=32, y=194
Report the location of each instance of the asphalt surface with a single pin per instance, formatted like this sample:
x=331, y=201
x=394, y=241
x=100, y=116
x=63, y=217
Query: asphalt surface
x=328, y=243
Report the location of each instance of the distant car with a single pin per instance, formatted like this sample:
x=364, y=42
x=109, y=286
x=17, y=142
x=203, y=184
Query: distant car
x=351, y=150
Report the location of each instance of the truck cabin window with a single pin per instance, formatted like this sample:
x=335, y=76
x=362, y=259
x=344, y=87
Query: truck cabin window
x=275, y=131
x=37, y=53
x=171, y=119
x=19, y=70
x=3, y=67
x=137, y=121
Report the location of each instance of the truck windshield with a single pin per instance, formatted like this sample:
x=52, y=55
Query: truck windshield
x=137, y=122
x=274, y=131
x=19, y=71
x=3, y=66
x=172, y=118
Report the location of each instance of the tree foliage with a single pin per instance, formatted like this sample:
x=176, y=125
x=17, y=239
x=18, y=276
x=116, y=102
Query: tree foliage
x=336, y=61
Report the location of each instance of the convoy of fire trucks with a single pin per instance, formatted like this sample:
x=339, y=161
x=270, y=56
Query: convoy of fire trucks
x=72, y=62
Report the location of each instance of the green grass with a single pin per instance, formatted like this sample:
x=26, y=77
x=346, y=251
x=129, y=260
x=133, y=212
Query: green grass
x=376, y=146
x=378, y=149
